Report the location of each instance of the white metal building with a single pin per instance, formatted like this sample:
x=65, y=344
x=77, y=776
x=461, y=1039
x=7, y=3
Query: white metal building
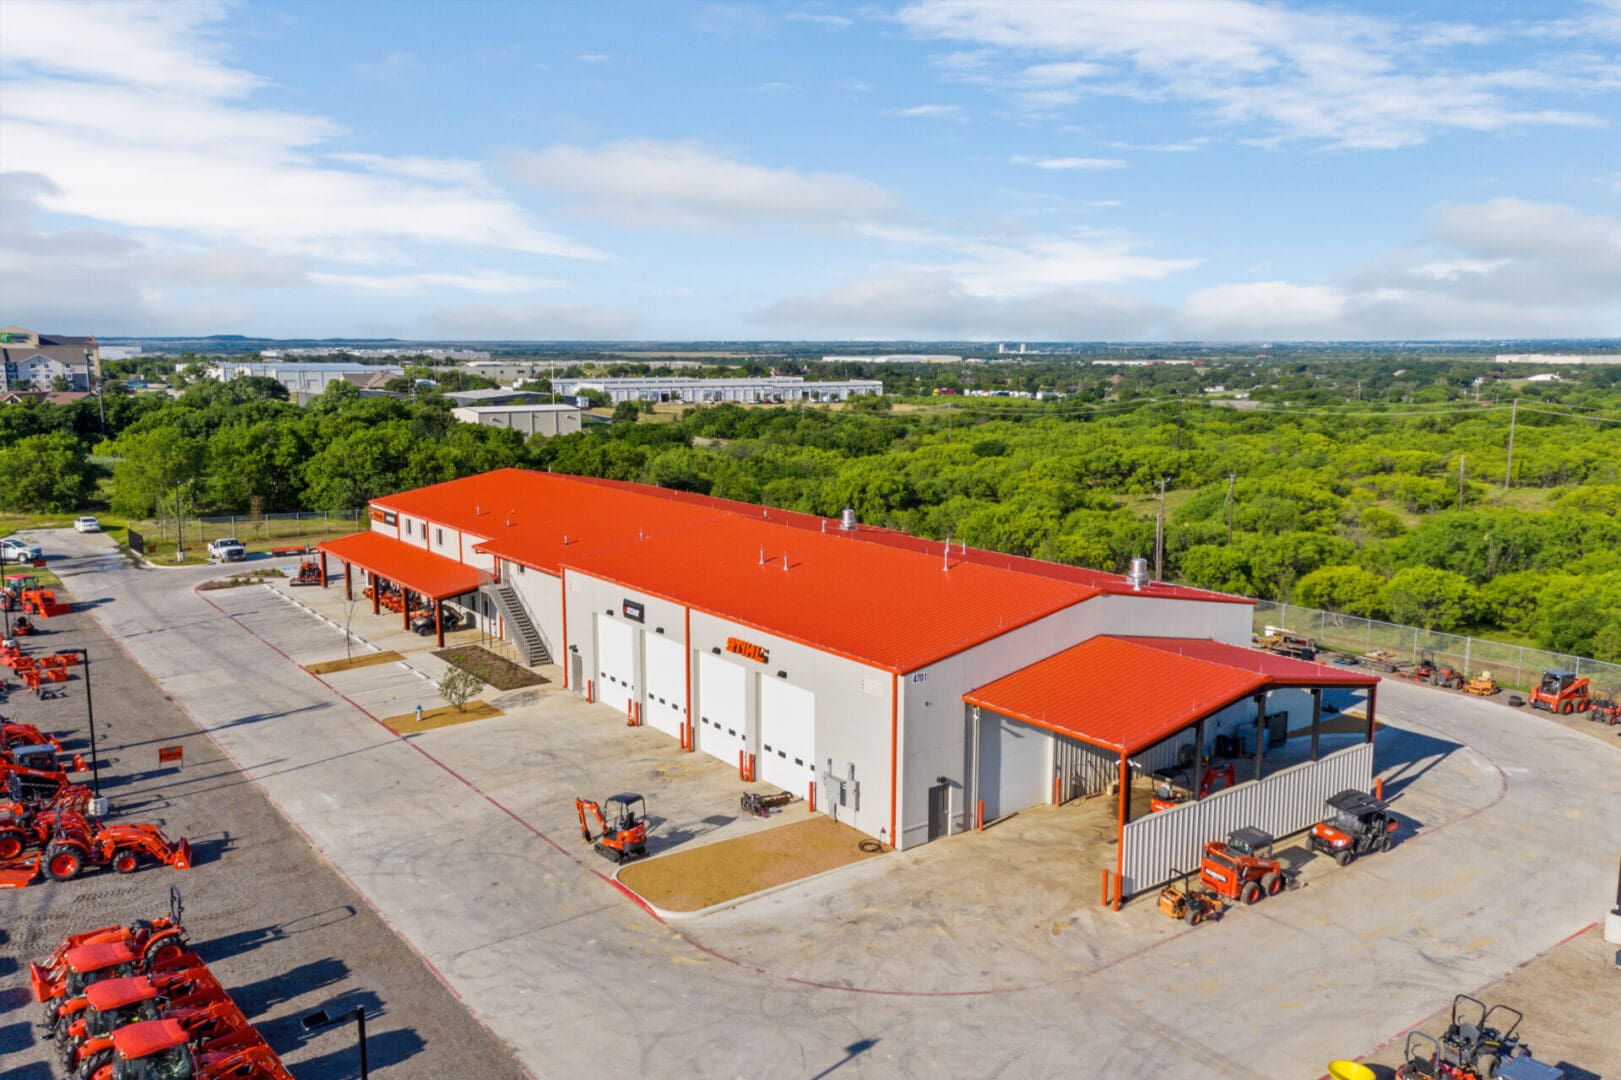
x=696, y=391
x=543, y=420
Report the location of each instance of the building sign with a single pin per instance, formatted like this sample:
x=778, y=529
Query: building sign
x=387, y=517
x=633, y=610
x=748, y=650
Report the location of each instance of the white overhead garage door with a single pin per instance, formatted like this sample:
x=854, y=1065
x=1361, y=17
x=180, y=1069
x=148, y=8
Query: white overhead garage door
x=1014, y=768
x=616, y=661
x=787, y=736
x=666, y=706
x=722, y=719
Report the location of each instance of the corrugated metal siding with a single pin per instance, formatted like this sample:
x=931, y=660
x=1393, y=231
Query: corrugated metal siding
x=1085, y=770
x=1163, y=755
x=1161, y=845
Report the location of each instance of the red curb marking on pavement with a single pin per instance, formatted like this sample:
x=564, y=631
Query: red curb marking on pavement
x=1476, y=992
x=732, y=960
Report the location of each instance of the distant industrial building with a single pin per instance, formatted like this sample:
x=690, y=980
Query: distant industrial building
x=404, y=350
x=1546, y=359
x=896, y=358
x=498, y=396
x=764, y=389
x=304, y=381
x=38, y=360
x=120, y=352
x=543, y=420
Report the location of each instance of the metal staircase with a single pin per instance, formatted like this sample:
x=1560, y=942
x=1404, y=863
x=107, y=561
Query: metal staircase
x=520, y=627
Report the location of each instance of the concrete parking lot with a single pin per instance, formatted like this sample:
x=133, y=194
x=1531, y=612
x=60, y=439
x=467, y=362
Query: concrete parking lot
x=985, y=948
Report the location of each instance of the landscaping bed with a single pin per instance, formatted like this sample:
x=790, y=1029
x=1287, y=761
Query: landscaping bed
x=497, y=671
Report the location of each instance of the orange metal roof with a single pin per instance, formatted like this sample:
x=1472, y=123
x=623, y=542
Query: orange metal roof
x=1126, y=694
x=434, y=576
x=894, y=609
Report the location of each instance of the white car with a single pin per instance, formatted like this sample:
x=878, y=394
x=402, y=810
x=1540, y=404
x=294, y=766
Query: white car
x=86, y=525
x=15, y=549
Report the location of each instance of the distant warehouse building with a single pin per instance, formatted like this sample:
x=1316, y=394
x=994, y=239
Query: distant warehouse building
x=762, y=390
x=543, y=420
x=909, y=688
x=306, y=380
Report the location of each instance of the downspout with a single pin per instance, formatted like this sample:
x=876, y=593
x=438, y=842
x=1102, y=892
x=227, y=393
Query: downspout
x=562, y=590
x=894, y=750
x=1120, y=835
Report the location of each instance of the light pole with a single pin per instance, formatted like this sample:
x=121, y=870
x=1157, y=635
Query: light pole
x=321, y=1018
x=98, y=805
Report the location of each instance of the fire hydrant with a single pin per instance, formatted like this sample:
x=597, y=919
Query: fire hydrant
x=419, y=714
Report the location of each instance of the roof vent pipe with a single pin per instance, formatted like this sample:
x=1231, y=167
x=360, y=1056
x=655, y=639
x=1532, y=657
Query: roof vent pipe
x=1138, y=574
x=785, y=561
x=847, y=519
x=945, y=560
x=762, y=555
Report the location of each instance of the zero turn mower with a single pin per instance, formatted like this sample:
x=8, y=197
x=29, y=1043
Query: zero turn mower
x=1190, y=905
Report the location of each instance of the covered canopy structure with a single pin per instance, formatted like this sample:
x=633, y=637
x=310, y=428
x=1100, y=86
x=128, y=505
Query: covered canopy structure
x=1161, y=705
x=414, y=570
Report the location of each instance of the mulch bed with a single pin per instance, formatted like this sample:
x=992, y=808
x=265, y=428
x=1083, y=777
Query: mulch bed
x=497, y=671
x=327, y=667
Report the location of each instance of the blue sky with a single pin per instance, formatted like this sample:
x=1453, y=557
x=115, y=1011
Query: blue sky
x=937, y=169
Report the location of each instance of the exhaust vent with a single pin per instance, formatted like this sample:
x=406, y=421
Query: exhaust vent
x=1138, y=574
x=847, y=519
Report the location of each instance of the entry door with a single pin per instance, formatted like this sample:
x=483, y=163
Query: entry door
x=939, y=809
x=666, y=704
x=616, y=661
x=722, y=719
x=787, y=736
x=1013, y=766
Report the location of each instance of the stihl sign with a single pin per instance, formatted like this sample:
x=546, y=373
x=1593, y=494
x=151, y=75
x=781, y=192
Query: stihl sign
x=748, y=650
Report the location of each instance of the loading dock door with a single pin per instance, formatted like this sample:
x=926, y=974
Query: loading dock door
x=616, y=661
x=1014, y=768
x=722, y=719
x=665, y=707
x=787, y=736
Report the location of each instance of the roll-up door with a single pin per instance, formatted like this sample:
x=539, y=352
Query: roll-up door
x=722, y=719
x=1014, y=768
x=666, y=702
x=787, y=736
x=616, y=662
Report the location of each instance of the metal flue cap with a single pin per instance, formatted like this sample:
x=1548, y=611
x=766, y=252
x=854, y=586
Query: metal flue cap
x=847, y=519
x=1138, y=574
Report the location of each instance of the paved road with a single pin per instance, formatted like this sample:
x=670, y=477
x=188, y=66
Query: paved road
x=1518, y=821
x=278, y=925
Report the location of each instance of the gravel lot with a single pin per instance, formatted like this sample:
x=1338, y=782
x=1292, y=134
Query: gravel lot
x=277, y=924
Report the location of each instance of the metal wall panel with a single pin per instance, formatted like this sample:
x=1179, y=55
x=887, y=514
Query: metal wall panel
x=1083, y=768
x=1160, y=846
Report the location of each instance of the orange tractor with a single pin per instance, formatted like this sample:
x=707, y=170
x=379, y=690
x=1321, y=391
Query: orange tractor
x=1562, y=692
x=79, y=841
x=621, y=831
x=1243, y=868
x=24, y=825
x=309, y=573
x=208, y=1013
x=163, y=1048
x=15, y=734
x=151, y=942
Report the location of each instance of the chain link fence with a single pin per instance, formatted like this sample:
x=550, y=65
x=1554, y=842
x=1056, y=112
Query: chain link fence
x=257, y=528
x=1514, y=666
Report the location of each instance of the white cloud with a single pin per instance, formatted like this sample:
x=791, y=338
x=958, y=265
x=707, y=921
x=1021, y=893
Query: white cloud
x=1069, y=163
x=929, y=110
x=683, y=185
x=532, y=322
x=1267, y=308
x=1344, y=79
x=838, y=22
x=493, y=282
x=1058, y=262
x=141, y=122
x=594, y=58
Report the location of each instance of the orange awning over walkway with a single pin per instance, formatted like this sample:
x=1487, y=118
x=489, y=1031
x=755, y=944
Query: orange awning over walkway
x=422, y=572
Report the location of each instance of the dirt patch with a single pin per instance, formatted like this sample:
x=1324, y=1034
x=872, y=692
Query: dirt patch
x=326, y=667
x=498, y=671
x=447, y=716
x=715, y=873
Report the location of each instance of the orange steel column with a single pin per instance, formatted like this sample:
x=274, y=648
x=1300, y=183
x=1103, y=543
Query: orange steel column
x=1373, y=693
x=323, y=569
x=439, y=621
x=376, y=593
x=348, y=579
x=894, y=750
x=1120, y=839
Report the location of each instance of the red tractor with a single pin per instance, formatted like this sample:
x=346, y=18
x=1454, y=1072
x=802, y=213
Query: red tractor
x=622, y=833
x=162, y=1048
x=1562, y=692
x=208, y=1013
x=309, y=573
x=25, y=825
x=1605, y=710
x=79, y=841
x=1243, y=868
x=15, y=734
x=154, y=941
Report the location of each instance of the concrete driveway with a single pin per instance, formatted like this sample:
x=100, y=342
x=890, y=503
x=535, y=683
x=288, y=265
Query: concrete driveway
x=934, y=962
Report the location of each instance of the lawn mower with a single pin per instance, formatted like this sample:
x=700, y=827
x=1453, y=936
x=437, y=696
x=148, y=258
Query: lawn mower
x=1243, y=867
x=1605, y=711
x=1428, y=671
x=764, y=805
x=1357, y=823
x=1189, y=905
x=1482, y=685
x=622, y=833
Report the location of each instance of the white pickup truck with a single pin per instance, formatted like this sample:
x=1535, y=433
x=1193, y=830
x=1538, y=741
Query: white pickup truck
x=228, y=549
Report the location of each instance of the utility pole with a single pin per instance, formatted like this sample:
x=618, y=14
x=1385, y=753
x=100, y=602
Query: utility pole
x=1513, y=419
x=1232, y=478
x=1159, y=535
x=1460, y=481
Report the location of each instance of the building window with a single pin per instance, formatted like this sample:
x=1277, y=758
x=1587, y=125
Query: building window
x=407, y=526
x=439, y=537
